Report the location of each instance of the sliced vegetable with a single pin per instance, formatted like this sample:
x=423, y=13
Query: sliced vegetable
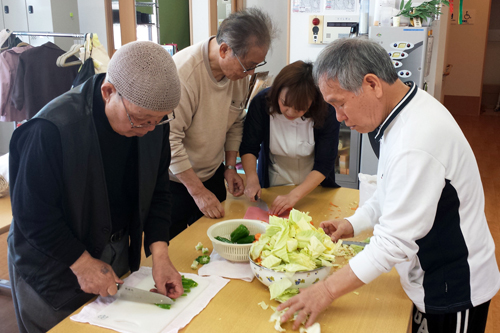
x=240, y=232
x=286, y=295
x=278, y=287
x=194, y=265
x=314, y=328
x=203, y=259
x=204, y=250
x=222, y=239
x=263, y=305
x=297, y=244
x=199, y=246
x=186, y=284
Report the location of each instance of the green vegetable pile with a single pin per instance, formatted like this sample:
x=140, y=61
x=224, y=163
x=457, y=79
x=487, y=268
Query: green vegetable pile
x=187, y=284
x=294, y=245
x=240, y=235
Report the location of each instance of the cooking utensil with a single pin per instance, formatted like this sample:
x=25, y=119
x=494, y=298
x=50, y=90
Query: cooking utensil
x=127, y=293
x=363, y=244
x=261, y=204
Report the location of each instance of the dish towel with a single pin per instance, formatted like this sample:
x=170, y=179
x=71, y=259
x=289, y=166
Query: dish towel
x=219, y=266
x=90, y=311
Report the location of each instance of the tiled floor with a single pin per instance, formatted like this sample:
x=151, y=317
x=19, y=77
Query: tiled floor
x=483, y=134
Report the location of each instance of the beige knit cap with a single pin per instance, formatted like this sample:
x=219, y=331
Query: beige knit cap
x=145, y=74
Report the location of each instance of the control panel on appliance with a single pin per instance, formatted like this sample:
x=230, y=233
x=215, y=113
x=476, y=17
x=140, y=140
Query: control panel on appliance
x=398, y=56
x=338, y=26
x=315, y=29
x=325, y=29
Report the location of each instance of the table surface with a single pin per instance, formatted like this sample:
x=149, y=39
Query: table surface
x=5, y=214
x=381, y=306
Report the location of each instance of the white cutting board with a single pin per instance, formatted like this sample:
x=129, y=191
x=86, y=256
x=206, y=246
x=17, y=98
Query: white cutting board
x=145, y=318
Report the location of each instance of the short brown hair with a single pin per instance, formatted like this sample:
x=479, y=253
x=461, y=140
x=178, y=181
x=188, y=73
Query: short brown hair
x=298, y=78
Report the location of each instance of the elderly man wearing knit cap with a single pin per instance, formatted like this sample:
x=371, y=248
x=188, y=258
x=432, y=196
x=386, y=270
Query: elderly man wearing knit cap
x=89, y=175
x=208, y=131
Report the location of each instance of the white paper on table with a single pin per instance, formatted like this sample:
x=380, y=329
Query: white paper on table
x=107, y=307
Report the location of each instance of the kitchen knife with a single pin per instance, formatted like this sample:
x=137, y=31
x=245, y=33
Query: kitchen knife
x=261, y=204
x=141, y=296
x=363, y=244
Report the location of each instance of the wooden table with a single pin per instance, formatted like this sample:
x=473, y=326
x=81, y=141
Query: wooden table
x=381, y=306
x=5, y=214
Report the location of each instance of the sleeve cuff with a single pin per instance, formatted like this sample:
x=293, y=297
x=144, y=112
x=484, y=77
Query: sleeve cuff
x=180, y=166
x=232, y=145
x=359, y=223
x=362, y=266
x=72, y=252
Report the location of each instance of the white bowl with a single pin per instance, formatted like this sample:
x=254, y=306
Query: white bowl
x=299, y=279
x=234, y=252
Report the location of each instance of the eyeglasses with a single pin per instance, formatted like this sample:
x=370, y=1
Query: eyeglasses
x=168, y=118
x=249, y=69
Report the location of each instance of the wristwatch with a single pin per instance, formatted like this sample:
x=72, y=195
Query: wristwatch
x=231, y=167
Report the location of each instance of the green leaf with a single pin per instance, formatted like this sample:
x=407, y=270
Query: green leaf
x=402, y=5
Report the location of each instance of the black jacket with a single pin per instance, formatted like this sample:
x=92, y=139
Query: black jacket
x=85, y=205
x=256, y=136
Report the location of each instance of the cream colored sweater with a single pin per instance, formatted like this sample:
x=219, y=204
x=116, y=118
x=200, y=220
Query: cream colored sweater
x=209, y=118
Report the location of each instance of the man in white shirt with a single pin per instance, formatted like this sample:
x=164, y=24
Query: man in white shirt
x=427, y=213
x=210, y=115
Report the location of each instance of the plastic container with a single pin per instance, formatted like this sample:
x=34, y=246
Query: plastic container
x=234, y=252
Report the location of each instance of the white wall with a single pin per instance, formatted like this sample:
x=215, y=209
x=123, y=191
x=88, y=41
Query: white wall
x=300, y=49
x=276, y=57
x=200, y=20
x=93, y=19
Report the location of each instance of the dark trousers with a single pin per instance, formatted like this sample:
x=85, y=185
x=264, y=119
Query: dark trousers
x=184, y=209
x=468, y=321
x=34, y=315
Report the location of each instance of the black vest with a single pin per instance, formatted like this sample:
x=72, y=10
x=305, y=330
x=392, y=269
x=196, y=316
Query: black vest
x=86, y=206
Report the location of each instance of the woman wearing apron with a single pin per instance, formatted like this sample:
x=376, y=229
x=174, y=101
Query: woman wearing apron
x=290, y=138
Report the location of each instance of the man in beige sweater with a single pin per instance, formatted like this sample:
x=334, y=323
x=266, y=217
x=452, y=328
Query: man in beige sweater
x=209, y=119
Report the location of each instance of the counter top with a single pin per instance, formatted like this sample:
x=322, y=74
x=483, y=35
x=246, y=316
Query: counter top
x=381, y=306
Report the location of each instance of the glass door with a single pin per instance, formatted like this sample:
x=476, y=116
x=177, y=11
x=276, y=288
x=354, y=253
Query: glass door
x=347, y=163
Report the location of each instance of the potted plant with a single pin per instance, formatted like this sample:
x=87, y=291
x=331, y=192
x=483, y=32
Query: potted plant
x=426, y=11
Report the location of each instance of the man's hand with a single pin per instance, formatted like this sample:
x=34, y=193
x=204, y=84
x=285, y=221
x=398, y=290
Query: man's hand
x=253, y=188
x=167, y=279
x=314, y=299
x=337, y=229
x=310, y=301
x=95, y=276
x=282, y=203
x=234, y=182
x=208, y=204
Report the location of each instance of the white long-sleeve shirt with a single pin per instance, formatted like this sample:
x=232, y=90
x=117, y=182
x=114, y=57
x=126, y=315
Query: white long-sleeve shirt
x=428, y=211
x=209, y=118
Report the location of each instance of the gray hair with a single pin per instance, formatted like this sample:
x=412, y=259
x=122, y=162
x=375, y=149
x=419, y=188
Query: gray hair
x=349, y=60
x=246, y=28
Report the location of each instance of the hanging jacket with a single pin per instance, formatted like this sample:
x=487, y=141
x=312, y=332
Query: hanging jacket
x=9, y=61
x=39, y=80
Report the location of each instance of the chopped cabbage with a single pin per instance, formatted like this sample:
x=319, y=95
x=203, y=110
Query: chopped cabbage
x=314, y=328
x=276, y=317
x=263, y=305
x=294, y=244
x=287, y=294
x=271, y=261
x=278, y=287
